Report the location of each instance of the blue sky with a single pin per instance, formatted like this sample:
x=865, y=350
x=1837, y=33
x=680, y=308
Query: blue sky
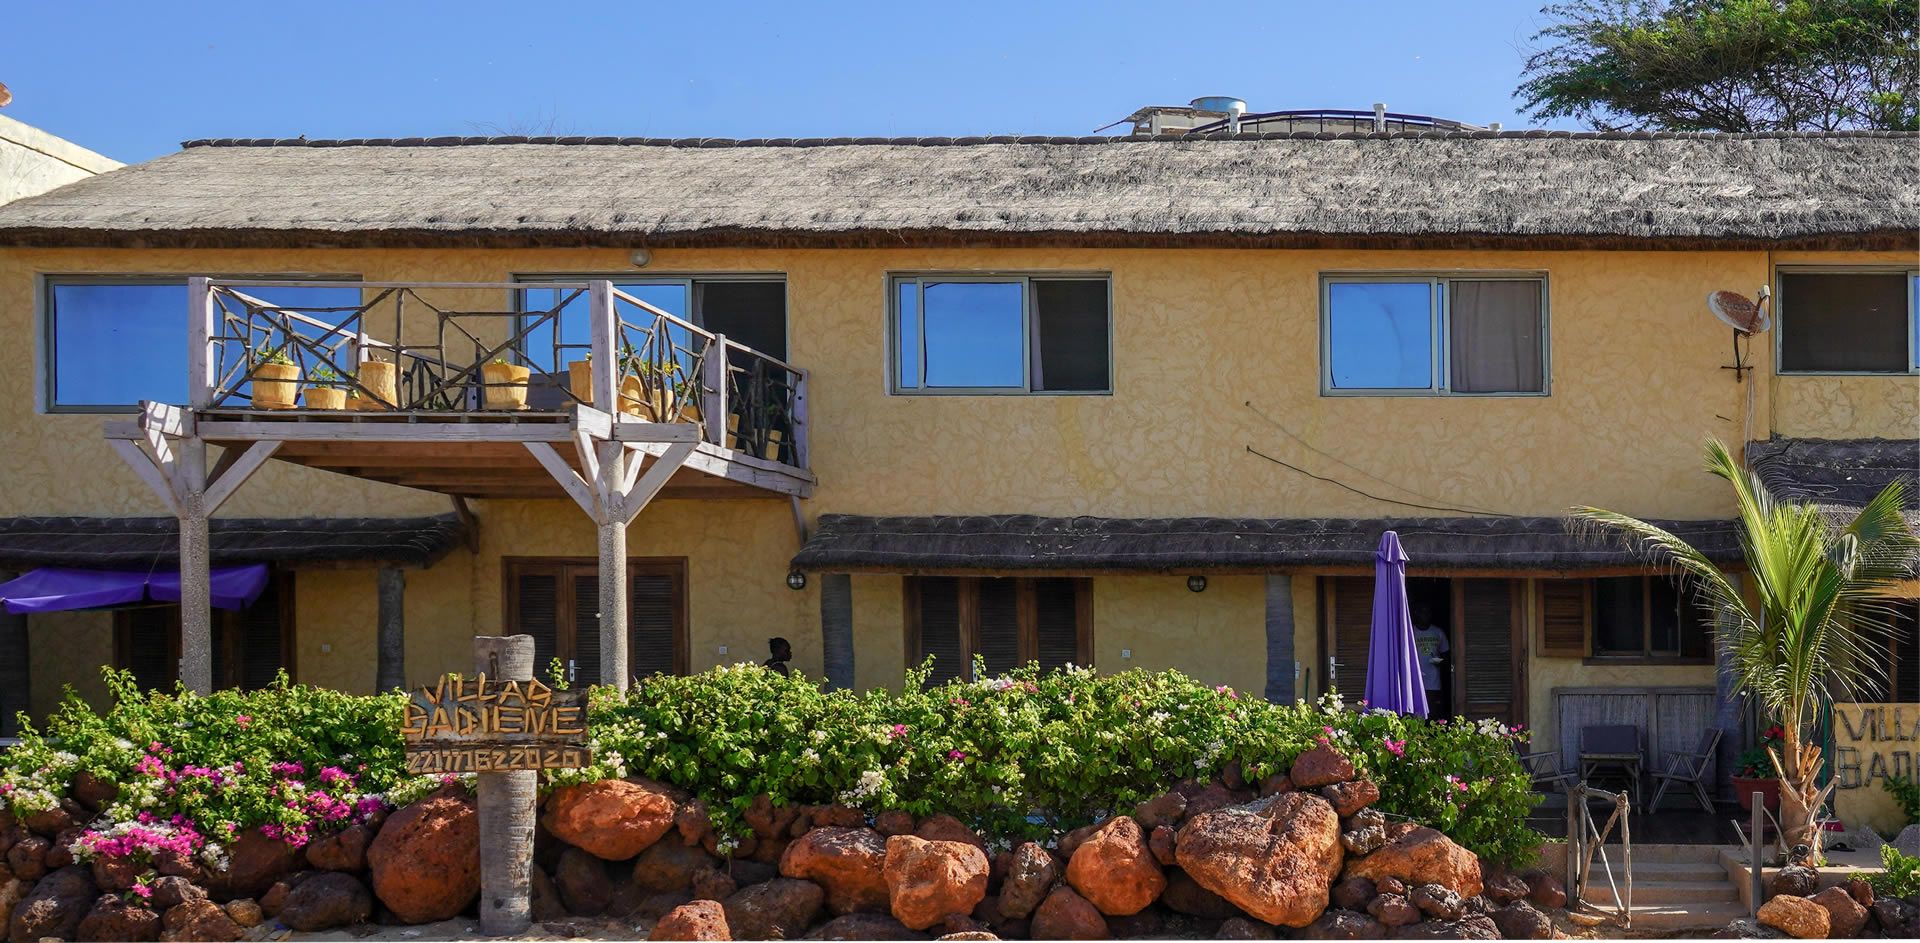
x=133, y=80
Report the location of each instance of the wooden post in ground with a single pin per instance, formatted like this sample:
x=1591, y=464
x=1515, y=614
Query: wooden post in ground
x=196, y=568
x=506, y=804
x=390, y=671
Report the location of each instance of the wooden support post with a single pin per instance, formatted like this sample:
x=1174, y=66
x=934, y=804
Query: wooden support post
x=801, y=444
x=611, y=519
x=202, y=320
x=1756, y=889
x=196, y=567
x=713, y=393
x=506, y=806
x=836, y=628
x=390, y=670
x=605, y=324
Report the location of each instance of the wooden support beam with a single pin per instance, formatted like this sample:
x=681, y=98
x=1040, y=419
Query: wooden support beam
x=196, y=563
x=611, y=521
x=148, y=471
x=171, y=421
x=713, y=389
x=570, y=481
x=642, y=490
x=203, y=317
x=354, y=431
x=234, y=474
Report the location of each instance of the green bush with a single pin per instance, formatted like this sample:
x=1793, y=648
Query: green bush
x=1024, y=754
x=1906, y=792
x=1900, y=876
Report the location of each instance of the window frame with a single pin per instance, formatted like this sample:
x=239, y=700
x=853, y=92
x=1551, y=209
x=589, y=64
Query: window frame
x=1780, y=315
x=683, y=279
x=1027, y=638
x=1646, y=655
x=1025, y=279
x=1439, y=319
x=45, y=347
x=512, y=566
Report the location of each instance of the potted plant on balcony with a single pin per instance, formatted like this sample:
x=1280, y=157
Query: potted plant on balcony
x=505, y=384
x=632, y=395
x=377, y=377
x=324, y=390
x=276, y=379
x=1755, y=773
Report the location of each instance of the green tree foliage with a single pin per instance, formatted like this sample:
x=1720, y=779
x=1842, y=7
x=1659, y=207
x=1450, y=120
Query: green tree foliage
x=1728, y=65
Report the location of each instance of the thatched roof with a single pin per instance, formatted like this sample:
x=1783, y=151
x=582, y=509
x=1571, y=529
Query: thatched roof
x=1841, y=474
x=155, y=541
x=1016, y=542
x=1457, y=189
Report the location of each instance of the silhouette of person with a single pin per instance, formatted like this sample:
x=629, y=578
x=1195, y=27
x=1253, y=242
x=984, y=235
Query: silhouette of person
x=782, y=652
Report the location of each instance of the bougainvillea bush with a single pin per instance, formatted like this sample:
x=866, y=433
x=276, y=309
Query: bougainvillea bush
x=1023, y=754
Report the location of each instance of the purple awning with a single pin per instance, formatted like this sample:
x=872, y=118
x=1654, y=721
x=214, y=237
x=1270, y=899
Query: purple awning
x=57, y=588
x=1393, y=661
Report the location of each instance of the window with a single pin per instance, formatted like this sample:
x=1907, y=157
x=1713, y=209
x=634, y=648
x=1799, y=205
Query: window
x=1849, y=321
x=112, y=341
x=558, y=603
x=1645, y=617
x=750, y=310
x=1007, y=622
x=1898, y=636
x=250, y=646
x=1001, y=334
x=1434, y=335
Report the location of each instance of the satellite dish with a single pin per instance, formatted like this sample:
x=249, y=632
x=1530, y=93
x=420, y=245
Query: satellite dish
x=1733, y=309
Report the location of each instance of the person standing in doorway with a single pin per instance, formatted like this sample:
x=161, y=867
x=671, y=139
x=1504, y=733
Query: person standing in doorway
x=782, y=652
x=1431, y=641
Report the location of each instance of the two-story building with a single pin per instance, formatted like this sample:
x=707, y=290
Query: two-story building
x=1127, y=402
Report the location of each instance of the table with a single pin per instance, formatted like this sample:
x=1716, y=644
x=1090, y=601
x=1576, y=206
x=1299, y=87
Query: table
x=1628, y=763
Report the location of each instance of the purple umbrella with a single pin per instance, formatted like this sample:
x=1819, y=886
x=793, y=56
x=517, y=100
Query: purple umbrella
x=1393, y=661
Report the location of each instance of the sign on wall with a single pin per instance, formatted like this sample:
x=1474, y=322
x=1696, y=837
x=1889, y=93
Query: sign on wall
x=480, y=725
x=1871, y=743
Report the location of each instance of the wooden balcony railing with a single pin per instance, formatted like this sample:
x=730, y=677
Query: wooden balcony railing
x=438, y=348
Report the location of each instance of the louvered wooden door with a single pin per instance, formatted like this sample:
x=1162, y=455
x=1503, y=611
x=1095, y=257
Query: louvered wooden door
x=558, y=603
x=1005, y=621
x=1349, y=624
x=1488, y=658
x=250, y=646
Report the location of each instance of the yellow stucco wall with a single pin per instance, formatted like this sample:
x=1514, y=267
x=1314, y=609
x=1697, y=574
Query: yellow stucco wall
x=1215, y=351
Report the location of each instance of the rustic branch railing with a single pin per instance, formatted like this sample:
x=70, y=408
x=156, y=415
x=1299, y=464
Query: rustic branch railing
x=405, y=348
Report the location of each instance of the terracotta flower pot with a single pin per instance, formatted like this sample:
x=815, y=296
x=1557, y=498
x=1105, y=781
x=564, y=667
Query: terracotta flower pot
x=506, y=385
x=324, y=397
x=275, y=385
x=378, y=377
x=580, y=380
x=1768, y=788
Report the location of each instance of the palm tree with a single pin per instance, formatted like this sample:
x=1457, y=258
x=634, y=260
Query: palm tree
x=1806, y=632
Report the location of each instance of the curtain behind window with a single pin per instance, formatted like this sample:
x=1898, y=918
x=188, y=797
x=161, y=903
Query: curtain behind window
x=1493, y=337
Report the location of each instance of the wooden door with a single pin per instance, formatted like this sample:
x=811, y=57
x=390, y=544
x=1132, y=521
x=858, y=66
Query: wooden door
x=1489, y=658
x=1348, y=604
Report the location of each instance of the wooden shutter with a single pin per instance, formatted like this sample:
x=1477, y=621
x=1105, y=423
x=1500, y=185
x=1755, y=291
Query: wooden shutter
x=1060, y=622
x=1350, y=623
x=534, y=609
x=256, y=640
x=1489, y=659
x=1905, y=648
x=935, y=626
x=1566, y=617
x=582, y=643
x=655, y=603
x=147, y=643
x=997, y=632
x=15, y=673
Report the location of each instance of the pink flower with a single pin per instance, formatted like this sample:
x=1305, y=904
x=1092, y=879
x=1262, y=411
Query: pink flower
x=1395, y=747
x=955, y=755
x=960, y=702
x=899, y=731
x=1458, y=785
x=243, y=721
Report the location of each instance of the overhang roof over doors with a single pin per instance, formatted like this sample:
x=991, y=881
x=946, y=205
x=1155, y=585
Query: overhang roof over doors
x=1016, y=542
x=123, y=542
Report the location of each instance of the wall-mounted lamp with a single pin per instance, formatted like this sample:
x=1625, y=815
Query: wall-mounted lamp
x=640, y=258
x=1197, y=583
x=796, y=580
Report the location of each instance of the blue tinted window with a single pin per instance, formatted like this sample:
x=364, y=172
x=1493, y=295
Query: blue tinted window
x=975, y=334
x=115, y=343
x=1380, y=335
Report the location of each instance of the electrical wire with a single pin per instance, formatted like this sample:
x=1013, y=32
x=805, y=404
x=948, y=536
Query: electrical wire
x=1283, y=430
x=1341, y=484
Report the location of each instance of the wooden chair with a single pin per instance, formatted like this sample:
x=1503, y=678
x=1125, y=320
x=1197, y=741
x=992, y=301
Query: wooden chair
x=1612, y=746
x=1544, y=767
x=1689, y=769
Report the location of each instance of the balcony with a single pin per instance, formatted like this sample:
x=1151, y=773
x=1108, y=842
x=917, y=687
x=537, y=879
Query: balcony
x=467, y=390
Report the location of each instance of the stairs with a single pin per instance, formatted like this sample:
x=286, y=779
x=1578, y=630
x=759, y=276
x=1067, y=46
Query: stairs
x=1675, y=887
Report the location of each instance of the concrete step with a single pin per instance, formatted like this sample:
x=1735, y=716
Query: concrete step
x=1669, y=853
x=1676, y=893
x=1697, y=917
x=1656, y=872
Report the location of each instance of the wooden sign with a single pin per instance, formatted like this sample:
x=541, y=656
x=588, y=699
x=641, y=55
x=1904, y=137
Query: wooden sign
x=480, y=725
x=1872, y=742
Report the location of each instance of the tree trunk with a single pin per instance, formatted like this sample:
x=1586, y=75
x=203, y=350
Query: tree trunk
x=1799, y=766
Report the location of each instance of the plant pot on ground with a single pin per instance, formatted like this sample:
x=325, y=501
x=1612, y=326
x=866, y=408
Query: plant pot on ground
x=1768, y=788
x=506, y=385
x=276, y=381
